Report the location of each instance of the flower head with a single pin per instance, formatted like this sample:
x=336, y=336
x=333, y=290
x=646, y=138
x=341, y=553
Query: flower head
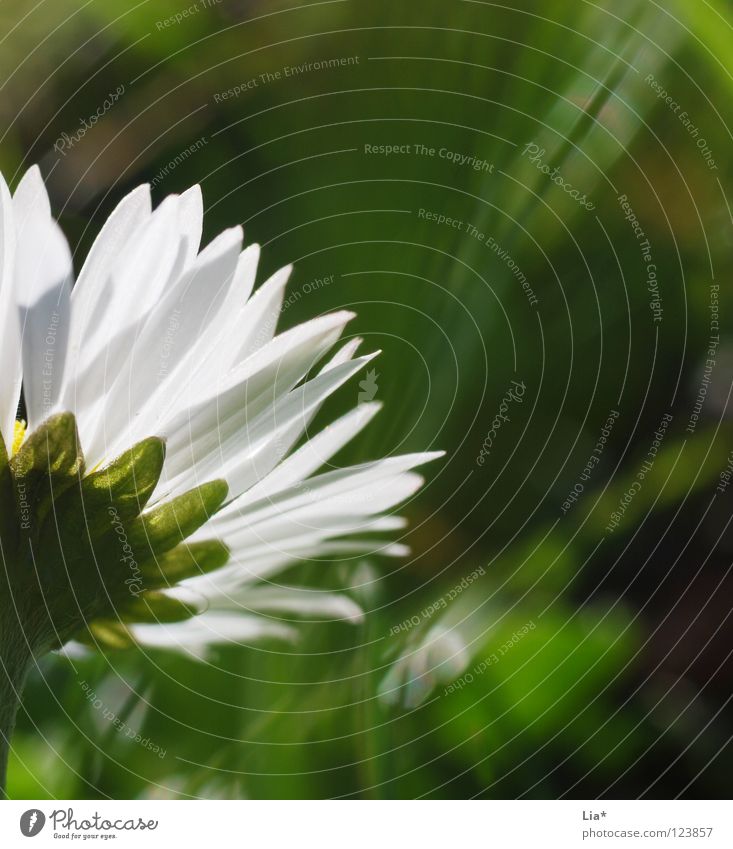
x=158, y=480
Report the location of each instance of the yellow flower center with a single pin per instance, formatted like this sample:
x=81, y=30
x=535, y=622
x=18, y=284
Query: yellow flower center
x=18, y=437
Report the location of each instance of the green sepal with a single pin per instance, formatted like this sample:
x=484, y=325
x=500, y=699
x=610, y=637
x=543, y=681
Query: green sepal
x=47, y=464
x=128, y=482
x=107, y=634
x=154, y=607
x=118, y=492
x=161, y=529
x=77, y=541
x=184, y=561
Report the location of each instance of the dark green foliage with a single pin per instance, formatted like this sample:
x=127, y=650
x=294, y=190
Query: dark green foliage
x=287, y=159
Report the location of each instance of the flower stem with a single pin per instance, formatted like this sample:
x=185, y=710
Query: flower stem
x=16, y=657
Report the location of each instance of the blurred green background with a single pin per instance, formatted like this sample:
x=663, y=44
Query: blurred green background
x=612, y=670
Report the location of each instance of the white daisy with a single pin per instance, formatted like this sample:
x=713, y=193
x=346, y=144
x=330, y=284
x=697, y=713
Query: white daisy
x=161, y=406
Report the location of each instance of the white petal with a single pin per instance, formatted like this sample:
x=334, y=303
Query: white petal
x=164, y=346
x=303, y=519
x=316, y=452
x=92, y=286
x=151, y=261
x=217, y=354
x=195, y=636
x=191, y=222
x=209, y=358
x=43, y=274
x=31, y=195
x=345, y=353
x=303, y=602
x=259, y=320
x=152, y=258
x=263, y=442
x=92, y=291
x=344, y=484
x=196, y=435
x=234, y=595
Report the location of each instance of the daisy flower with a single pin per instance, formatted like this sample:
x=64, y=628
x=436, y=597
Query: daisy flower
x=158, y=478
